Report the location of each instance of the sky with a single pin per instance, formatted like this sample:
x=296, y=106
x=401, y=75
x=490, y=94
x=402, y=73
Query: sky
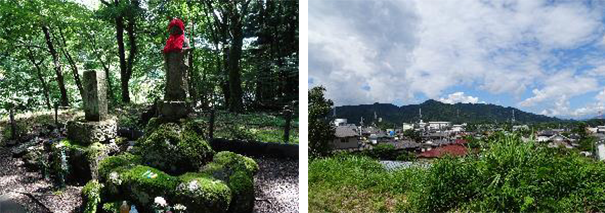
x=545, y=57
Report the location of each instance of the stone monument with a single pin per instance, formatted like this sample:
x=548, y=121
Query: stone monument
x=96, y=126
x=175, y=106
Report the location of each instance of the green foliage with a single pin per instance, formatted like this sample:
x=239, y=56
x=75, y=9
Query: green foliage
x=508, y=176
x=406, y=156
x=321, y=132
x=91, y=196
x=111, y=207
x=174, y=150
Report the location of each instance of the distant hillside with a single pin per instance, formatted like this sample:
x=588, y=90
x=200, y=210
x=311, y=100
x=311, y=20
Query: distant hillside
x=433, y=110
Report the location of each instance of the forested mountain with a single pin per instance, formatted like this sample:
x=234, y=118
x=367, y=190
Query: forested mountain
x=433, y=110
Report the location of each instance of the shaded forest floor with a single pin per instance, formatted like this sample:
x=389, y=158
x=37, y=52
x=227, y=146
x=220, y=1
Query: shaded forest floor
x=276, y=183
x=276, y=187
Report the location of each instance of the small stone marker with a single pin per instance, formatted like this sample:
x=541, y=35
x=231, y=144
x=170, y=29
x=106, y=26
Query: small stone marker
x=95, y=100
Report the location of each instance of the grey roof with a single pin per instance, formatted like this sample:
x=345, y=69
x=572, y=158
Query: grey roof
x=345, y=131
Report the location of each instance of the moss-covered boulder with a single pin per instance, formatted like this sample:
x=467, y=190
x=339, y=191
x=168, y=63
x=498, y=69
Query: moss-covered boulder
x=139, y=184
x=111, y=171
x=91, y=196
x=75, y=163
x=203, y=193
x=174, y=150
x=143, y=184
x=238, y=172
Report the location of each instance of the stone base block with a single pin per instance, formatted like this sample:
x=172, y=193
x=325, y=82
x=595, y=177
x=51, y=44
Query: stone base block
x=173, y=110
x=88, y=132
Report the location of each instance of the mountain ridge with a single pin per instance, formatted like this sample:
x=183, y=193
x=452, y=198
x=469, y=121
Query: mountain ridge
x=433, y=110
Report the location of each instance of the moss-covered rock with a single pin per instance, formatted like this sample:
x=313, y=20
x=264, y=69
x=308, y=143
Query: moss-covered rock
x=141, y=184
x=173, y=150
x=113, y=162
x=203, y=193
x=76, y=163
x=227, y=163
x=242, y=189
x=91, y=196
x=238, y=172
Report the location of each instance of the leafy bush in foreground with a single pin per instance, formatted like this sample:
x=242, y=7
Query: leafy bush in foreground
x=511, y=176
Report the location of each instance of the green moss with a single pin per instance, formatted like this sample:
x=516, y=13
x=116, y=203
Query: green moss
x=174, y=150
x=236, y=162
x=142, y=190
x=111, y=163
x=203, y=193
x=91, y=196
x=242, y=187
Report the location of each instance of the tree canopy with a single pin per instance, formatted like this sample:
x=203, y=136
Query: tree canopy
x=244, y=57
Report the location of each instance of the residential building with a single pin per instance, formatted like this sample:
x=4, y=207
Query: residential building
x=346, y=137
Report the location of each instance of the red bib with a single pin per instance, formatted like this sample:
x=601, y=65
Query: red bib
x=175, y=41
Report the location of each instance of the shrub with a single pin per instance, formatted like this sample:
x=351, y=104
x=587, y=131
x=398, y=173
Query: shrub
x=91, y=196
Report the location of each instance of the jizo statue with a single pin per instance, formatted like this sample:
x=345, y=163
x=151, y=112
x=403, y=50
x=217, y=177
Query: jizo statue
x=177, y=41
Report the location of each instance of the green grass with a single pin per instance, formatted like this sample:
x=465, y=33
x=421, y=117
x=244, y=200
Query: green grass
x=368, y=186
x=263, y=127
x=510, y=175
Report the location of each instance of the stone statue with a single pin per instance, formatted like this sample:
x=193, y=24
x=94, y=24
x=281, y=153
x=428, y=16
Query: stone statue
x=174, y=105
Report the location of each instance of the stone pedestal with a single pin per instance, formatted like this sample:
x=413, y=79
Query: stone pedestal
x=88, y=132
x=95, y=95
x=175, y=106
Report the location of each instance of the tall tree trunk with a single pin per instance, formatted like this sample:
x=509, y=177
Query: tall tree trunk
x=72, y=63
x=122, y=55
x=57, y=65
x=130, y=29
x=235, y=53
x=40, y=77
x=193, y=74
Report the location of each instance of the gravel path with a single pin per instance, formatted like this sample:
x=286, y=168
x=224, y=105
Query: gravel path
x=17, y=183
x=276, y=186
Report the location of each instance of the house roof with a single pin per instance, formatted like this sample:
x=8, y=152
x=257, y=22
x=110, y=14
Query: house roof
x=345, y=131
x=452, y=149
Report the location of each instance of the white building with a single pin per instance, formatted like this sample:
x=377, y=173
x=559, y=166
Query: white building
x=407, y=126
x=458, y=127
x=340, y=122
x=439, y=125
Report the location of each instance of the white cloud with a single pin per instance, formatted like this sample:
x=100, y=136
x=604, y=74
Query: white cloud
x=400, y=49
x=459, y=97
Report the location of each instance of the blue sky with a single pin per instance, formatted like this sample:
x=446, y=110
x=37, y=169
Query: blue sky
x=545, y=57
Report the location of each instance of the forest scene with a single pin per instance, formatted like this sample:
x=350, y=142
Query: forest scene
x=149, y=106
